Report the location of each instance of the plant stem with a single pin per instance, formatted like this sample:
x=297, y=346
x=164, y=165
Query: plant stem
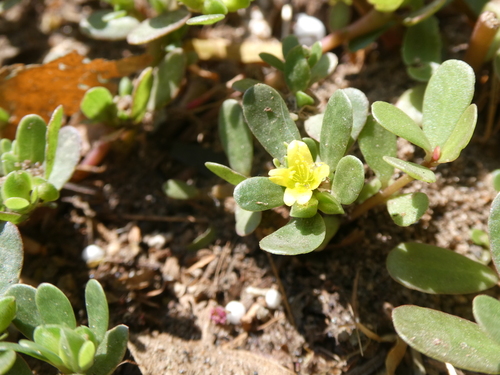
x=483, y=34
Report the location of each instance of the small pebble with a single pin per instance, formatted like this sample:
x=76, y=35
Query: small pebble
x=93, y=255
x=308, y=29
x=273, y=298
x=235, y=311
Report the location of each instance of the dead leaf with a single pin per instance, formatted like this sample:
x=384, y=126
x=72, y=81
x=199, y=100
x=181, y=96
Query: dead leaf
x=39, y=89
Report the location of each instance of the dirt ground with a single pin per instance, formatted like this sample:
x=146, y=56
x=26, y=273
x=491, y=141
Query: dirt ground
x=167, y=293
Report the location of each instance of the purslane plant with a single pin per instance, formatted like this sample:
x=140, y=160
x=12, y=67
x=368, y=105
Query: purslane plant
x=315, y=177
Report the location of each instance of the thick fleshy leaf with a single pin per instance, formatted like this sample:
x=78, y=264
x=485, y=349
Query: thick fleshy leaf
x=302, y=99
x=315, y=53
x=494, y=229
x=17, y=204
x=349, y=179
x=424, y=12
x=86, y=355
x=407, y=209
x=386, y=5
x=236, y=137
x=97, y=309
x=269, y=120
x=7, y=360
x=246, y=221
x=486, y=311
x=203, y=240
x=52, y=136
x=328, y=204
x=178, y=189
x=313, y=126
x=288, y=43
x=11, y=256
x=17, y=184
x=20, y=367
x=272, y=60
x=27, y=316
x=332, y=225
x=416, y=171
x=68, y=151
x=141, y=94
x=448, y=94
x=110, y=352
x=434, y=270
x=205, y=19
x=336, y=129
x=154, y=28
x=299, y=236
x=297, y=71
x=258, y=194
x=244, y=84
x=97, y=105
x=447, y=338
x=225, y=173
x=324, y=67
x=495, y=176
x=54, y=306
x=97, y=27
x=168, y=76
x=360, y=109
x=7, y=312
x=30, y=139
x=399, y=123
x=422, y=49
x=461, y=135
x=305, y=210
x=411, y=102
x=375, y=142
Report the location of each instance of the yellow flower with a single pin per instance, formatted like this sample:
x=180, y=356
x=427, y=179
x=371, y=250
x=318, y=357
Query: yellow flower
x=302, y=176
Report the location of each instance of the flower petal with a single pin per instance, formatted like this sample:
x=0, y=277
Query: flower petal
x=300, y=196
x=321, y=171
x=298, y=153
x=282, y=176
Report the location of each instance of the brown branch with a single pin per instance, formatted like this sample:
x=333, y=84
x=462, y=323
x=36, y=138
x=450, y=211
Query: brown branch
x=480, y=41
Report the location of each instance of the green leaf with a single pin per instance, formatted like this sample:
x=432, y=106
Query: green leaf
x=96, y=26
x=424, y=12
x=258, y=194
x=225, y=173
x=422, y=49
x=47, y=192
x=332, y=225
x=386, y=5
x=20, y=367
x=407, y=209
x=154, y=28
x=7, y=312
x=214, y=7
x=299, y=236
x=86, y=355
x=495, y=175
x=204, y=239
x=416, y=171
x=246, y=221
x=411, y=102
x=69, y=348
x=140, y=95
x=97, y=309
x=336, y=129
x=313, y=126
x=68, y=151
x=315, y=54
x=7, y=360
x=205, y=19
x=461, y=135
x=235, y=137
x=168, y=76
x=17, y=184
x=486, y=312
x=327, y=203
x=52, y=136
x=297, y=71
x=324, y=67
x=480, y=237
x=10, y=163
x=54, y=306
x=30, y=139
x=494, y=229
x=399, y=123
x=97, y=105
x=269, y=120
x=312, y=145
x=110, y=352
x=11, y=256
x=244, y=84
x=40, y=352
x=303, y=99
x=360, y=109
x=48, y=336
x=272, y=60
x=375, y=142
x=27, y=316
x=348, y=179
x=16, y=204
x=434, y=270
x=178, y=189
x=288, y=43
x=448, y=94
x=447, y=338
x=305, y=210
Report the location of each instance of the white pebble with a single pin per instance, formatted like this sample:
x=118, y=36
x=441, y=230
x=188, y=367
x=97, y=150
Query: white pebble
x=93, y=255
x=273, y=298
x=235, y=311
x=308, y=29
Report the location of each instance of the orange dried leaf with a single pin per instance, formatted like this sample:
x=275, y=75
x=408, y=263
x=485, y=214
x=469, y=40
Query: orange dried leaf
x=38, y=89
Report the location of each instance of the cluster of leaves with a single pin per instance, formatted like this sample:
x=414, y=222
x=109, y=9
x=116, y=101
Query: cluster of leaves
x=124, y=21
x=154, y=88
x=36, y=164
x=44, y=315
